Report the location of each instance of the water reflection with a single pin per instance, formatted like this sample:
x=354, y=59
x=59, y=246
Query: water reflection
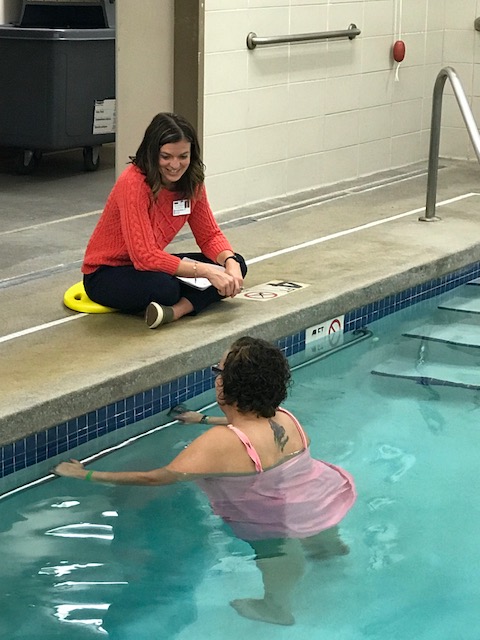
x=121, y=561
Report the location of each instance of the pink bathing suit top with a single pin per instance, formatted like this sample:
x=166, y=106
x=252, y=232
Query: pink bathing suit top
x=294, y=499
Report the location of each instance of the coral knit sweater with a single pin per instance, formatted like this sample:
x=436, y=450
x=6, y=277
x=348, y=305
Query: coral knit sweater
x=134, y=230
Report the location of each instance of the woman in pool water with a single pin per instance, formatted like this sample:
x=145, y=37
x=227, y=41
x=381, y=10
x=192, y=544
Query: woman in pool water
x=259, y=476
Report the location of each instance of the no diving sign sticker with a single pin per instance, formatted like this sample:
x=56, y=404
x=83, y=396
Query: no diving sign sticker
x=324, y=336
x=325, y=329
x=271, y=290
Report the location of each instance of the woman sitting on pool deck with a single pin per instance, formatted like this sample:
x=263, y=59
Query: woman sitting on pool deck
x=259, y=476
x=126, y=266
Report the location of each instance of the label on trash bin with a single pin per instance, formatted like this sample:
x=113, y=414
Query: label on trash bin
x=104, y=117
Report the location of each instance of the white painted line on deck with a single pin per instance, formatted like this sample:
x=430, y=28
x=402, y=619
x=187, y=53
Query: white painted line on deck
x=346, y=232
x=374, y=186
x=49, y=222
x=40, y=327
x=5, y=281
x=266, y=256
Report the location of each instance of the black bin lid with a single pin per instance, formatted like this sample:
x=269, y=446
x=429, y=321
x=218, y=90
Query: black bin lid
x=73, y=14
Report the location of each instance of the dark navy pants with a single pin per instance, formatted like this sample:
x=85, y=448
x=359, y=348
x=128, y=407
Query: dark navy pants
x=131, y=291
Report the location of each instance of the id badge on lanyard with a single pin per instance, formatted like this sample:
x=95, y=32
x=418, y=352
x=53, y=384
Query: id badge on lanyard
x=181, y=207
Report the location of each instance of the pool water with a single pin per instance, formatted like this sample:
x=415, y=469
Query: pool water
x=85, y=561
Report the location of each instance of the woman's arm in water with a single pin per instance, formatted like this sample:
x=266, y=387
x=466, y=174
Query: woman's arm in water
x=215, y=451
x=195, y=417
x=154, y=477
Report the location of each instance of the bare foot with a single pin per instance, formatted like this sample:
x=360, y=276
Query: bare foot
x=260, y=610
x=325, y=545
x=324, y=553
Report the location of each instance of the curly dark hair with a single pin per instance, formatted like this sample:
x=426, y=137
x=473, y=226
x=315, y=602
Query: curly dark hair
x=166, y=128
x=255, y=377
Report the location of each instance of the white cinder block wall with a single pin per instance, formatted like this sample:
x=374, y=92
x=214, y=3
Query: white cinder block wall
x=287, y=118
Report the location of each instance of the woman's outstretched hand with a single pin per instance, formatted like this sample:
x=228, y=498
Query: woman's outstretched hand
x=190, y=417
x=72, y=469
x=195, y=417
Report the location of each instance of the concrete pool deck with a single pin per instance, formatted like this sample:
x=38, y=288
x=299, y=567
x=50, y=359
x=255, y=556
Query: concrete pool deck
x=353, y=244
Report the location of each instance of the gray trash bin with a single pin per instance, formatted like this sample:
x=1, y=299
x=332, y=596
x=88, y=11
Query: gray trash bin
x=57, y=75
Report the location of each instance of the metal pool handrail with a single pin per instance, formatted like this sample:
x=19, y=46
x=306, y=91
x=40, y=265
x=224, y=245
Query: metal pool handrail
x=253, y=40
x=433, y=157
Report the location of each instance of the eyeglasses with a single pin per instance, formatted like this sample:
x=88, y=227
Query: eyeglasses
x=216, y=370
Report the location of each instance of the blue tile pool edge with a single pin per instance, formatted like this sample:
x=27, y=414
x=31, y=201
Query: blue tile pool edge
x=61, y=438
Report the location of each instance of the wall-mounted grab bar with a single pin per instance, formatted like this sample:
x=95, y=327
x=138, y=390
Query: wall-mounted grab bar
x=433, y=156
x=253, y=40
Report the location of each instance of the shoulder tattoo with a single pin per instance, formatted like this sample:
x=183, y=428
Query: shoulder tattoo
x=279, y=435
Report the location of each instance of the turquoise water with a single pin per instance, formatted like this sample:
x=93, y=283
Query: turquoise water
x=83, y=561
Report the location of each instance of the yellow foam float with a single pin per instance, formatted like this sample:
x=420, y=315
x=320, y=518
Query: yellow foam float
x=75, y=298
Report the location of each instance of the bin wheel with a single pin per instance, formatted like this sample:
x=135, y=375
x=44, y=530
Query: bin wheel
x=26, y=161
x=91, y=158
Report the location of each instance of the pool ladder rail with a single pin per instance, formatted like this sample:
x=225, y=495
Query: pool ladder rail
x=435, y=128
x=443, y=350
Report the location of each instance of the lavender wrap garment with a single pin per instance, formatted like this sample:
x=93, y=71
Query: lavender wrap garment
x=294, y=499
